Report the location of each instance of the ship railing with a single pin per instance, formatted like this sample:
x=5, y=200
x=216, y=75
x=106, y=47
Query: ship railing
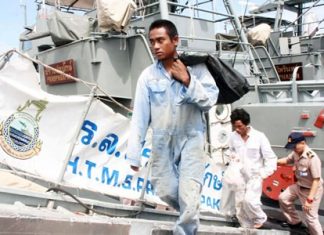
x=234, y=57
x=262, y=69
x=199, y=10
x=312, y=89
x=298, y=26
x=175, y=8
x=293, y=91
x=272, y=45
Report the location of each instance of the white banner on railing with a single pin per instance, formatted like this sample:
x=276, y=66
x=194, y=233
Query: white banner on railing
x=98, y=161
x=37, y=129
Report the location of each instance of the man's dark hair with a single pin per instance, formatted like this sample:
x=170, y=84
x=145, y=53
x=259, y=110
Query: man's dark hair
x=240, y=115
x=168, y=25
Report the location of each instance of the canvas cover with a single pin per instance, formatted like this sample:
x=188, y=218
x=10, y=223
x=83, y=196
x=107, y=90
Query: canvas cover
x=225, y=44
x=83, y=4
x=114, y=14
x=259, y=34
x=66, y=27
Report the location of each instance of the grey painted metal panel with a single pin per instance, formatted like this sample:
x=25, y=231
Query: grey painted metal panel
x=137, y=48
x=114, y=65
x=278, y=120
x=313, y=58
x=198, y=35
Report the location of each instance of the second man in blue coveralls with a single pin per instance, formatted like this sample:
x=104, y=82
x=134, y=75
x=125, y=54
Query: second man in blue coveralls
x=172, y=98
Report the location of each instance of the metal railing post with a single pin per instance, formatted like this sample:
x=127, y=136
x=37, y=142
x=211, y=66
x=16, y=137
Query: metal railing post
x=164, y=9
x=149, y=166
x=75, y=137
x=294, y=90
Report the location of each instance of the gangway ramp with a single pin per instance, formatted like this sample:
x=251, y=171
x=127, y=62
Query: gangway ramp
x=27, y=207
x=17, y=219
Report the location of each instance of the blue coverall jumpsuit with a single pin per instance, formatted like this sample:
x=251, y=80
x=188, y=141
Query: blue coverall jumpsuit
x=175, y=114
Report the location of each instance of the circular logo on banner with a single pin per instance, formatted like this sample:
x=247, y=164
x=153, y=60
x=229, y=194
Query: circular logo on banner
x=19, y=136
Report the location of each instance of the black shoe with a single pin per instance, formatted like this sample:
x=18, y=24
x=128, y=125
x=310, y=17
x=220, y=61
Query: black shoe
x=234, y=219
x=284, y=224
x=299, y=225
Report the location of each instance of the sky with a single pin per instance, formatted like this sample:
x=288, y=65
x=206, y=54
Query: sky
x=12, y=21
x=12, y=18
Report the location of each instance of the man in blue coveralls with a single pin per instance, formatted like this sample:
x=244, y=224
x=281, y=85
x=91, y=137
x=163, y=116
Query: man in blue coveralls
x=171, y=99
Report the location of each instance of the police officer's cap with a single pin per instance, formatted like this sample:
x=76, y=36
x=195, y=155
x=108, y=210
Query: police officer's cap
x=293, y=139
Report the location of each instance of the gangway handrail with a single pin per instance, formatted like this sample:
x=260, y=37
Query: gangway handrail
x=259, y=59
x=269, y=59
x=273, y=46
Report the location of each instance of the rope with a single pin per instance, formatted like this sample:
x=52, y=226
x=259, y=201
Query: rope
x=56, y=189
x=6, y=53
x=6, y=57
x=26, y=175
x=115, y=101
x=88, y=84
x=222, y=149
x=218, y=148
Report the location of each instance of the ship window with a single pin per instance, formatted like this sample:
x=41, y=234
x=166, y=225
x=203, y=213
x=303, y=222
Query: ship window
x=26, y=45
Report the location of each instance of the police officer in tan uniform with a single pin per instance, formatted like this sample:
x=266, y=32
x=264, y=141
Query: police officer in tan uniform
x=308, y=188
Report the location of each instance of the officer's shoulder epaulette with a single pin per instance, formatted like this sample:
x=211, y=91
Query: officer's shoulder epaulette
x=310, y=154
